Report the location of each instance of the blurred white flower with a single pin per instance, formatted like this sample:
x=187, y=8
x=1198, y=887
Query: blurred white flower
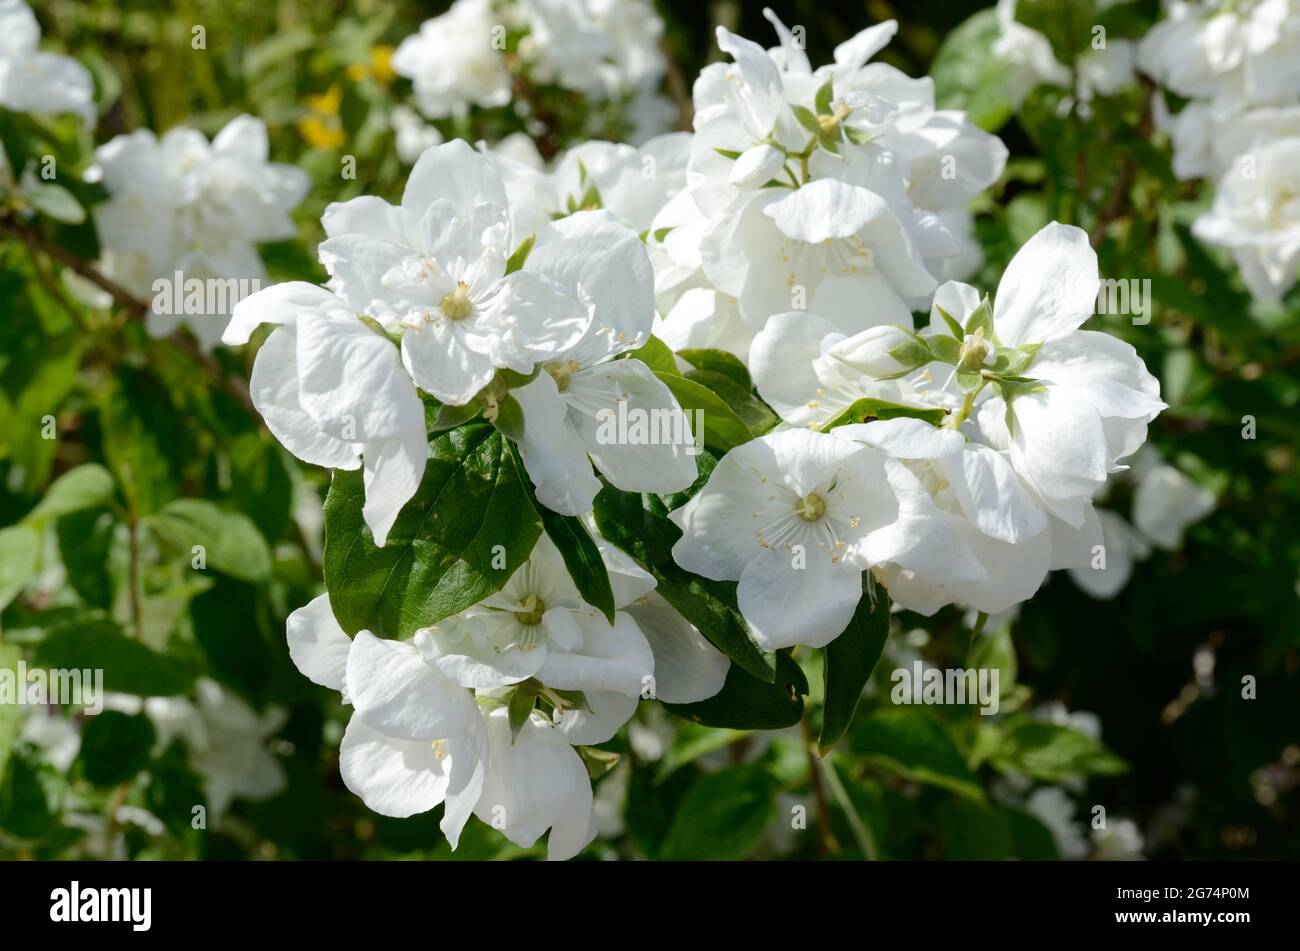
x=183, y=205
x=32, y=81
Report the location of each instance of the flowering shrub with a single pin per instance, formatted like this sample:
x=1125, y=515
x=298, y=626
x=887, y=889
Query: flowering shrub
x=658, y=441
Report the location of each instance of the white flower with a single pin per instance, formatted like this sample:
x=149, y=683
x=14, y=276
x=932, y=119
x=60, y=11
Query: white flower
x=413, y=136
x=1028, y=55
x=333, y=391
x=429, y=726
x=1166, y=501
x=225, y=740
x=601, y=48
x=633, y=184
x=1055, y=809
x=570, y=408
x=434, y=268
x=1092, y=396
x=1119, y=841
x=1242, y=53
x=32, y=81
x=796, y=517
x=539, y=626
x=52, y=733
x=1109, y=570
x=809, y=372
x=991, y=540
x=456, y=61
x=180, y=204
x=704, y=318
x=858, y=208
x=1256, y=215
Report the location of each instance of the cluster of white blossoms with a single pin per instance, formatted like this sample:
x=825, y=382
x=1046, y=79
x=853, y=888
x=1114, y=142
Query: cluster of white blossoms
x=433, y=720
x=798, y=227
x=36, y=82
x=816, y=190
x=1106, y=67
x=1238, y=65
x=1032, y=416
x=601, y=49
x=181, y=207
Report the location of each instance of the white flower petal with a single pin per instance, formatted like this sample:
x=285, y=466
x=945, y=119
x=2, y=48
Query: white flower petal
x=273, y=387
x=393, y=470
x=826, y=593
x=662, y=465
x=687, y=667
x=1049, y=288
x=552, y=450
x=317, y=645
x=395, y=690
x=534, y=782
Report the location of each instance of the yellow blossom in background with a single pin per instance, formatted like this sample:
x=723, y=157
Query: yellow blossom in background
x=380, y=67
x=319, y=125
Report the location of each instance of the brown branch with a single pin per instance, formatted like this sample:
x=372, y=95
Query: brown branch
x=34, y=240
x=825, y=838
x=1128, y=171
x=678, y=88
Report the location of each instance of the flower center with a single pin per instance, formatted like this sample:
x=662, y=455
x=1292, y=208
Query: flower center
x=975, y=351
x=811, y=507
x=530, y=610
x=561, y=372
x=439, y=749
x=827, y=124
x=456, y=305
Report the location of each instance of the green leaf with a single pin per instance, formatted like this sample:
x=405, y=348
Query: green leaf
x=55, y=201
x=1067, y=24
x=453, y=417
x=1052, y=753
x=945, y=349
x=870, y=408
x=849, y=661
x=806, y=119
x=85, y=546
x=639, y=525
x=143, y=438
x=520, y=708
x=508, y=418
x=981, y=318
x=29, y=804
x=9, y=657
x=746, y=703
x=115, y=747
x=723, y=429
x=520, y=254
x=994, y=650
x=719, y=361
x=467, y=529
x=231, y=542
x=690, y=742
x=581, y=555
x=722, y=817
x=757, y=416
x=823, y=98
x=20, y=551
x=954, y=327
x=914, y=745
x=128, y=666
x=655, y=354
x=969, y=77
